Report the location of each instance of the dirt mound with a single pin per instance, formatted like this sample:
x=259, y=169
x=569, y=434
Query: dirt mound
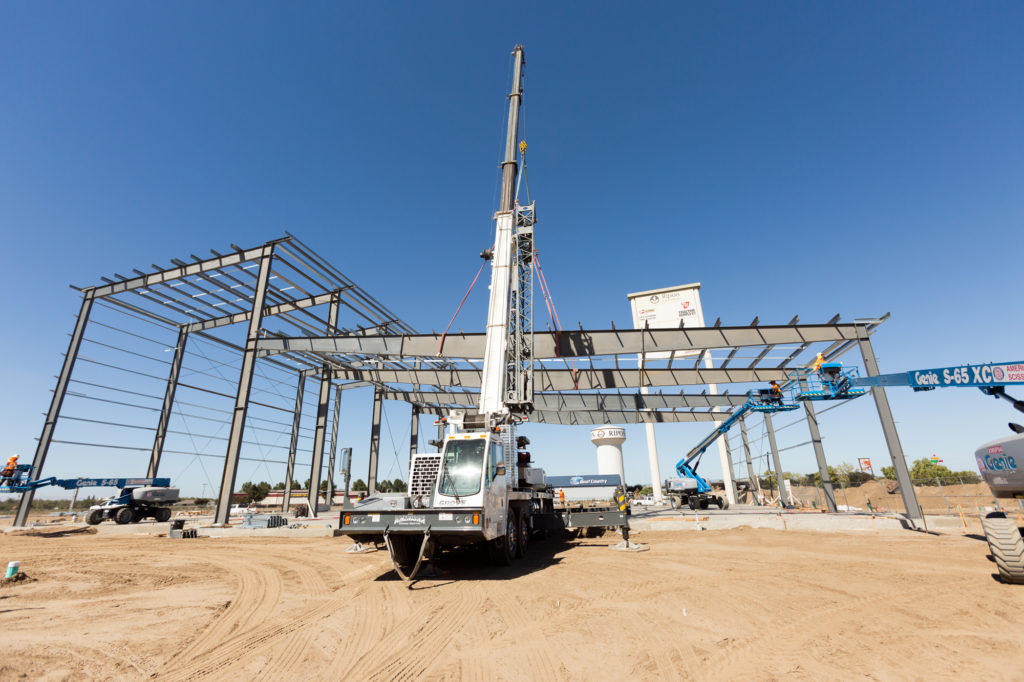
x=16, y=578
x=55, y=532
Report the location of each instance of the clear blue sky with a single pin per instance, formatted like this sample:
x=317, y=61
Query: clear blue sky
x=797, y=158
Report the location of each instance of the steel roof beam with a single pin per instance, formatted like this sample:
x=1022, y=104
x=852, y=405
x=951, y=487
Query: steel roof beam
x=581, y=343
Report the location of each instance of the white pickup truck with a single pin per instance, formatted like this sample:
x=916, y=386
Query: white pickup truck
x=645, y=501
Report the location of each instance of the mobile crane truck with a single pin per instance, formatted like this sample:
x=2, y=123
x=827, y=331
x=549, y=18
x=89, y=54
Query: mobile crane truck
x=139, y=498
x=481, y=488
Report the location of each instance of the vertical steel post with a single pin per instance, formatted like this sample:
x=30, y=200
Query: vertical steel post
x=165, y=410
x=323, y=402
x=293, y=446
x=775, y=459
x=892, y=438
x=378, y=399
x=334, y=447
x=755, y=484
x=45, y=438
x=414, y=437
x=319, y=438
x=819, y=454
x=730, y=482
x=245, y=374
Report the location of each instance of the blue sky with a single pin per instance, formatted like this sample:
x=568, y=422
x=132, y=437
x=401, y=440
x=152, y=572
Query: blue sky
x=797, y=158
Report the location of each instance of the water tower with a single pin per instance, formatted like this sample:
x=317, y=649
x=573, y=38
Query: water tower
x=609, y=440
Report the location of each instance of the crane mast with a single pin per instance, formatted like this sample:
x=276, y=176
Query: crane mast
x=506, y=387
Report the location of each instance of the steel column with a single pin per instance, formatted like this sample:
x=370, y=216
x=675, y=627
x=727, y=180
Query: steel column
x=378, y=400
x=755, y=484
x=819, y=454
x=319, y=438
x=334, y=447
x=892, y=438
x=293, y=446
x=414, y=434
x=43, y=446
x=234, y=449
x=730, y=483
x=165, y=410
x=776, y=462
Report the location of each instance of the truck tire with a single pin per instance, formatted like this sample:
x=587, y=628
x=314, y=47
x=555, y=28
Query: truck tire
x=502, y=551
x=163, y=514
x=723, y=502
x=1007, y=547
x=123, y=515
x=138, y=515
x=676, y=502
x=94, y=517
x=524, y=535
x=692, y=501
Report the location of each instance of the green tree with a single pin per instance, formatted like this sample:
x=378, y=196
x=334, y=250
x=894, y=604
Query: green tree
x=398, y=485
x=889, y=472
x=295, y=485
x=279, y=486
x=359, y=485
x=254, y=492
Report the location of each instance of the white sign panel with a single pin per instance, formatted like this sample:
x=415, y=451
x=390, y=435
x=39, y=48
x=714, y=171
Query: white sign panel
x=669, y=308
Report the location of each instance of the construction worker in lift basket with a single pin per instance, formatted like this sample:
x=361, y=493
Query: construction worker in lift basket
x=7, y=473
x=818, y=362
x=561, y=497
x=776, y=392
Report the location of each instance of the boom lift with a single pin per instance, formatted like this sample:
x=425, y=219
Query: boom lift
x=831, y=382
x=481, y=487
x=1001, y=461
x=139, y=497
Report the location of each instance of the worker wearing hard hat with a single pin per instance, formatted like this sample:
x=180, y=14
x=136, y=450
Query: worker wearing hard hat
x=818, y=362
x=7, y=473
x=776, y=392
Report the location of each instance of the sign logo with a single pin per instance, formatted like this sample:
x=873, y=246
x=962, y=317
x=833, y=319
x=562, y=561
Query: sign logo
x=575, y=480
x=686, y=304
x=410, y=521
x=655, y=298
x=998, y=374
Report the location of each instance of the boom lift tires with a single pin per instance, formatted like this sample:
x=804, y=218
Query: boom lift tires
x=94, y=518
x=1007, y=546
x=123, y=515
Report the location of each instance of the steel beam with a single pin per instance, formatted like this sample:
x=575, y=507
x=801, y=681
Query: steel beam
x=566, y=380
x=319, y=438
x=618, y=402
x=569, y=417
x=755, y=483
x=892, y=438
x=320, y=435
x=730, y=483
x=294, y=444
x=43, y=446
x=334, y=447
x=414, y=433
x=819, y=455
x=776, y=462
x=171, y=274
x=378, y=400
x=268, y=311
x=569, y=343
x=227, y=482
x=168, y=404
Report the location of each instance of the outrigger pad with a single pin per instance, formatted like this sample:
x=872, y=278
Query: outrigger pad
x=630, y=546
x=358, y=548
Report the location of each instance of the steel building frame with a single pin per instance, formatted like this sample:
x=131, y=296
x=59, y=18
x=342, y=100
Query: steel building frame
x=286, y=284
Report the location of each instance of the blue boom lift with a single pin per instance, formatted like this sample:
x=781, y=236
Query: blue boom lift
x=831, y=382
x=139, y=497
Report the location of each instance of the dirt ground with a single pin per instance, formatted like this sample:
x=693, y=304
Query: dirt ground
x=719, y=605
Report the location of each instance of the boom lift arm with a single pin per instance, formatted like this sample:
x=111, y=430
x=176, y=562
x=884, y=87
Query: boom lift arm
x=21, y=483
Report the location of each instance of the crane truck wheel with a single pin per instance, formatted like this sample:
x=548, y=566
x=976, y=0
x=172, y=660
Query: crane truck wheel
x=524, y=535
x=123, y=515
x=503, y=550
x=94, y=518
x=1007, y=547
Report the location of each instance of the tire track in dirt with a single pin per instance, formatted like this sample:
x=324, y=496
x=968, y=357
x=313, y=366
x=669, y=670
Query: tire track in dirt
x=414, y=645
x=539, y=664
x=270, y=637
x=718, y=666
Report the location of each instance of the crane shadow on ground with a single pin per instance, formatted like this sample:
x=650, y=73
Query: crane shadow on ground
x=472, y=564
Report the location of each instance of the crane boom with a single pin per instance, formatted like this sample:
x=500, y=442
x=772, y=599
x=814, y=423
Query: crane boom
x=505, y=385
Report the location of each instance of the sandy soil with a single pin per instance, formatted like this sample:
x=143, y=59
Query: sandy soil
x=720, y=605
